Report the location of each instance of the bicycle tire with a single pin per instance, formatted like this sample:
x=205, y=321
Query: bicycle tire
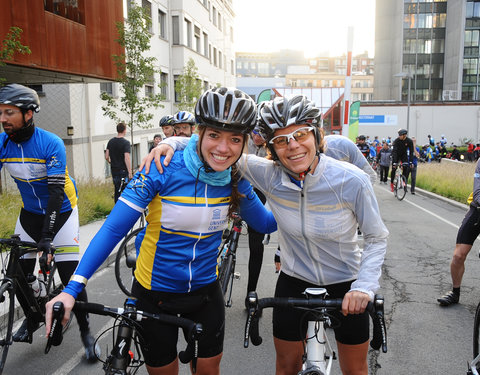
x=401, y=188
x=225, y=273
x=124, y=269
x=7, y=311
x=476, y=332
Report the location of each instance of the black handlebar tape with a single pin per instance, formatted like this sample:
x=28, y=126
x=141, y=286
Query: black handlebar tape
x=94, y=308
x=55, y=336
x=255, y=337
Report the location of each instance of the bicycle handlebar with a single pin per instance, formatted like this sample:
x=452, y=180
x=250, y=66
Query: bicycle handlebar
x=194, y=330
x=255, y=306
x=27, y=247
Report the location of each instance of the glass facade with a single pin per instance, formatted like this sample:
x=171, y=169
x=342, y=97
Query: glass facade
x=423, y=48
x=471, y=55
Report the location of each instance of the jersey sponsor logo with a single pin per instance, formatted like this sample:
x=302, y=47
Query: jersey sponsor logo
x=54, y=162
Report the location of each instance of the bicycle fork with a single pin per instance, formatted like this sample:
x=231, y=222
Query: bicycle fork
x=319, y=354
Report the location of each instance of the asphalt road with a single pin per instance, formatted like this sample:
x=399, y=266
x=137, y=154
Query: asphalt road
x=422, y=337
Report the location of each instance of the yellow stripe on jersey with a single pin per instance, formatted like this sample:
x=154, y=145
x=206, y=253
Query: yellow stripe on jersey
x=23, y=160
x=197, y=200
x=30, y=179
x=70, y=190
x=146, y=258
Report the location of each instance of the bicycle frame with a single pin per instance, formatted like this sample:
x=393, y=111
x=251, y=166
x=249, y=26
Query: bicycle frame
x=319, y=354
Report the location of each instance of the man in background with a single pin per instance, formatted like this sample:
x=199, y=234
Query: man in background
x=118, y=155
x=183, y=123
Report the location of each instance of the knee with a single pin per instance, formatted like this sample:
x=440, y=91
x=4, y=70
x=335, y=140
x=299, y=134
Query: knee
x=459, y=256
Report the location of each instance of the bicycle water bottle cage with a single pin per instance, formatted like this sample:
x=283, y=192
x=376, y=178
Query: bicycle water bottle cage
x=315, y=292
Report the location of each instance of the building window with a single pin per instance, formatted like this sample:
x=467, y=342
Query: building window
x=188, y=25
x=220, y=59
x=205, y=85
x=177, y=96
x=107, y=88
x=162, y=24
x=149, y=91
x=214, y=56
x=147, y=7
x=164, y=84
x=231, y=34
x=232, y=67
x=214, y=16
x=205, y=45
x=219, y=21
x=175, y=30
x=198, y=45
x=71, y=9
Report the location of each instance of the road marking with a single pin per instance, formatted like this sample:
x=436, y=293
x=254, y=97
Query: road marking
x=433, y=214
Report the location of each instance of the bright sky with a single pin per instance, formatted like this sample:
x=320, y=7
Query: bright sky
x=314, y=26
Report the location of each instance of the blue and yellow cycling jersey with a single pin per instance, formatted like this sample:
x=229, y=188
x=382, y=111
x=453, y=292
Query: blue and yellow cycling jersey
x=31, y=162
x=186, y=218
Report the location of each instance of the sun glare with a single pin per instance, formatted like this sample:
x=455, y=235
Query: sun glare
x=318, y=27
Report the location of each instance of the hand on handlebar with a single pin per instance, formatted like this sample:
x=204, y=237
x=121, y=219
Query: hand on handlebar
x=68, y=303
x=355, y=302
x=45, y=246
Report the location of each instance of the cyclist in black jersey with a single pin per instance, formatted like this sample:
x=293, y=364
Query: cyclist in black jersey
x=363, y=146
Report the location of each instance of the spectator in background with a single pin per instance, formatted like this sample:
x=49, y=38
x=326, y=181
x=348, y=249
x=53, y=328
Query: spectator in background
x=413, y=169
x=476, y=152
x=431, y=141
x=166, y=123
x=470, y=148
x=363, y=146
x=443, y=140
x=157, y=138
x=443, y=151
x=455, y=153
x=118, y=155
x=389, y=140
x=184, y=123
x=384, y=157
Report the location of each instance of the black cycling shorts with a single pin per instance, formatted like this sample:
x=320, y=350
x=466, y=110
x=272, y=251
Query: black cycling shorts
x=205, y=306
x=470, y=228
x=289, y=325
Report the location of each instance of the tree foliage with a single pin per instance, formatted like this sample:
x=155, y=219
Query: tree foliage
x=134, y=70
x=11, y=45
x=188, y=87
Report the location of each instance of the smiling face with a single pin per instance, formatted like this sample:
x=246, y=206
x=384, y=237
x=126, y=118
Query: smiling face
x=220, y=149
x=297, y=156
x=12, y=118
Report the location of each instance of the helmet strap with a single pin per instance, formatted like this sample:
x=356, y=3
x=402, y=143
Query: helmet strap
x=24, y=133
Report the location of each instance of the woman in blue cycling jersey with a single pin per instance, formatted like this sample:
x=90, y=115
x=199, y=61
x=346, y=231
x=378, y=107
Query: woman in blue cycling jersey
x=188, y=209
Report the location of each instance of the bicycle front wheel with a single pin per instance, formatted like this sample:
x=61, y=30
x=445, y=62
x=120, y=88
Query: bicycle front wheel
x=401, y=187
x=125, y=262
x=7, y=307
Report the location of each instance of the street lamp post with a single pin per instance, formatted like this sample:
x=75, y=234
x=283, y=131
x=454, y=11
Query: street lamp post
x=409, y=76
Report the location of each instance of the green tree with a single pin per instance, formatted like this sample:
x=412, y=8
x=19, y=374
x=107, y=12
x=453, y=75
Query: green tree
x=188, y=87
x=11, y=45
x=134, y=70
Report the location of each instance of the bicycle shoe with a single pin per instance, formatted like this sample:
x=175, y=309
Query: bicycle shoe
x=448, y=299
x=25, y=332
x=92, y=350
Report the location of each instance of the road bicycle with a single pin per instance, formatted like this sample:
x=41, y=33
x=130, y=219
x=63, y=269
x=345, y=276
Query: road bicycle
x=318, y=353
x=13, y=281
x=399, y=183
x=227, y=258
x=125, y=358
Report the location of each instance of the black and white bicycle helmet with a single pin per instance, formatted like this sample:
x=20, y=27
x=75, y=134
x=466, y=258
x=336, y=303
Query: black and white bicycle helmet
x=183, y=117
x=167, y=121
x=20, y=96
x=285, y=111
x=227, y=109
